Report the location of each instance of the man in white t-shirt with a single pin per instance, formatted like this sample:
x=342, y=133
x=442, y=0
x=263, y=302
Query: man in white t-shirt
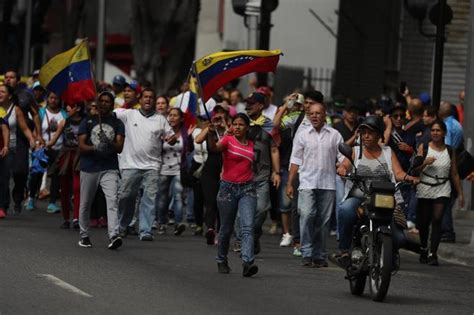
x=140, y=162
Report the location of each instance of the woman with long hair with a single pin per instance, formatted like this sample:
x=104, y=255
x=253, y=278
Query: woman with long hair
x=16, y=162
x=438, y=174
x=170, y=174
x=237, y=193
x=68, y=163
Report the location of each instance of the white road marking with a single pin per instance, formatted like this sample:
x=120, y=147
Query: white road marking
x=63, y=284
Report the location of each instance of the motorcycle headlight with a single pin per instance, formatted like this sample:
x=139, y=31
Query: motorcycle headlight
x=384, y=201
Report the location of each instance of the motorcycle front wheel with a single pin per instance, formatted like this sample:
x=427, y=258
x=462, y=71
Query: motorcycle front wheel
x=381, y=269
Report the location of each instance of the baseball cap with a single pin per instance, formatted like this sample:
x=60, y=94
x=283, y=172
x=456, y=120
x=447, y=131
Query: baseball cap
x=119, y=80
x=255, y=98
x=299, y=98
x=229, y=109
x=425, y=98
x=265, y=90
x=134, y=86
x=37, y=86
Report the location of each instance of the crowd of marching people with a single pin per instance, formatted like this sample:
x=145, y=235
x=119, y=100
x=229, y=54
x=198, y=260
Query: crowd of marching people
x=136, y=163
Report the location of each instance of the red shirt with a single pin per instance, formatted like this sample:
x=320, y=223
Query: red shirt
x=237, y=160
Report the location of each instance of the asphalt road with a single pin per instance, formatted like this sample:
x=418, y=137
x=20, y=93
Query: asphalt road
x=44, y=271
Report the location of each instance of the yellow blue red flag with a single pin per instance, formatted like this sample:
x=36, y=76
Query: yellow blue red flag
x=69, y=75
x=215, y=70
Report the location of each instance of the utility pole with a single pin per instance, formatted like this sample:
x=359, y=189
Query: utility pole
x=27, y=42
x=99, y=71
x=439, y=52
x=264, y=40
x=468, y=108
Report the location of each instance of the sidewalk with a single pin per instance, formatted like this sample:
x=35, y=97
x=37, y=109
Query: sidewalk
x=463, y=250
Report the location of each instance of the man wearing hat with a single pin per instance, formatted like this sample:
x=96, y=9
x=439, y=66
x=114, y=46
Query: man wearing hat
x=119, y=84
x=130, y=95
x=39, y=94
x=269, y=110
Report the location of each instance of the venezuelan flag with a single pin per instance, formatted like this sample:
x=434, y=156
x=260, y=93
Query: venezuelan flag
x=215, y=70
x=69, y=75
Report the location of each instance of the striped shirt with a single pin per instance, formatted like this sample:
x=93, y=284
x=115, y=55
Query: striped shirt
x=237, y=160
x=316, y=154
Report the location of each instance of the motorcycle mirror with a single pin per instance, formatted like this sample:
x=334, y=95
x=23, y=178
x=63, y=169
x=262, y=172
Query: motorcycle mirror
x=417, y=161
x=346, y=150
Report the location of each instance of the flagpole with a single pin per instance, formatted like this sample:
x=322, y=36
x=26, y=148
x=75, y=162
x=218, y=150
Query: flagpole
x=200, y=90
x=182, y=96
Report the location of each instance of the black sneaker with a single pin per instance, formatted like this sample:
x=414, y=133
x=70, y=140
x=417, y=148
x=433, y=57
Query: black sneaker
x=249, y=269
x=85, y=242
x=123, y=233
x=131, y=230
x=146, y=238
x=115, y=242
x=65, y=225
x=75, y=224
x=306, y=262
x=423, y=256
x=223, y=267
x=433, y=260
x=320, y=263
x=210, y=236
x=16, y=209
x=179, y=229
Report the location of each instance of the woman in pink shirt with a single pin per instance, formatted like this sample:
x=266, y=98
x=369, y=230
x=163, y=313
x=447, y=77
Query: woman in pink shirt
x=236, y=193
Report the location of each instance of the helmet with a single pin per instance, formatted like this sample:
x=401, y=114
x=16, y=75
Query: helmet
x=374, y=122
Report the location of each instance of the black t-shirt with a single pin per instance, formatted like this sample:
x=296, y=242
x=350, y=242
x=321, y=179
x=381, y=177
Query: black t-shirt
x=345, y=132
x=263, y=143
x=285, y=147
x=95, y=161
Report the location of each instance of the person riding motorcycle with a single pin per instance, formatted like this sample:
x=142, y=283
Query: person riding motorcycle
x=374, y=163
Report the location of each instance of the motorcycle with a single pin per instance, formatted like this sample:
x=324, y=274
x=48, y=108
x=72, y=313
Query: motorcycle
x=372, y=253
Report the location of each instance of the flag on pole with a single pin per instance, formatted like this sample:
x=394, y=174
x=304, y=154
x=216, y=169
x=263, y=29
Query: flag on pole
x=69, y=75
x=215, y=70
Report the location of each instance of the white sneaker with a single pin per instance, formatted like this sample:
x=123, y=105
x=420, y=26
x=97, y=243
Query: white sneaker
x=297, y=252
x=286, y=240
x=410, y=225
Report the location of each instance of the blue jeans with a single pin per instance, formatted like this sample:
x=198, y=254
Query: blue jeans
x=132, y=181
x=233, y=198
x=165, y=183
x=315, y=207
x=340, y=191
x=347, y=218
x=286, y=204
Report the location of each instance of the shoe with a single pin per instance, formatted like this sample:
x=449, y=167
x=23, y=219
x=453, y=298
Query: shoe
x=320, y=263
x=256, y=246
x=171, y=221
x=333, y=233
x=161, y=229
x=410, y=225
x=146, y=238
x=286, y=240
x=343, y=260
x=297, y=251
x=53, y=208
x=179, y=229
x=192, y=225
x=223, y=267
x=16, y=209
x=85, y=242
x=448, y=239
x=123, y=233
x=115, y=242
x=237, y=246
x=43, y=194
x=75, y=224
x=65, y=225
x=2, y=213
x=249, y=269
x=131, y=230
x=273, y=229
x=154, y=226
x=94, y=223
x=423, y=256
x=102, y=222
x=198, y=230
x=30, y=204
x=433, y=260
x=210, y=237
x=306, y=262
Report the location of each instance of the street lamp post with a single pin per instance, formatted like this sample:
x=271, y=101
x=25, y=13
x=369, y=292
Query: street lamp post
x=100, y=41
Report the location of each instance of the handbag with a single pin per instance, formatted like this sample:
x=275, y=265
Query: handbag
x=399, y=218
x=465, y=163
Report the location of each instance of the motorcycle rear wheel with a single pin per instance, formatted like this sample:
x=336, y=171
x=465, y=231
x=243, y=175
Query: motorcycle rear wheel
x=381, y=270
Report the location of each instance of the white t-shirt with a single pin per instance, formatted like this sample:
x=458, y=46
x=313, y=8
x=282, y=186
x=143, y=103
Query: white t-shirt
x=200, y=150
x=143, y=139
x=270, y=111
x=49, y=127
x=172, y=158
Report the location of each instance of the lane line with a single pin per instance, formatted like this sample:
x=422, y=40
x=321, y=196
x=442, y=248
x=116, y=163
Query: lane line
x=64, y=285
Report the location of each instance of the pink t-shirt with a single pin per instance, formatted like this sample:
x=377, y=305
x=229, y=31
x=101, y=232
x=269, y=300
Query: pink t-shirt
x=237, y=160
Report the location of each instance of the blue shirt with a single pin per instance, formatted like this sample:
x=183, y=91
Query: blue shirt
x=455, y=136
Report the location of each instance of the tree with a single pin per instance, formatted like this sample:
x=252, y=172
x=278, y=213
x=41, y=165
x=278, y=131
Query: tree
x=163, y=40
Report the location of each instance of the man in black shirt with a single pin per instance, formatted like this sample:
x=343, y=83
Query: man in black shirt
x=348, y=126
